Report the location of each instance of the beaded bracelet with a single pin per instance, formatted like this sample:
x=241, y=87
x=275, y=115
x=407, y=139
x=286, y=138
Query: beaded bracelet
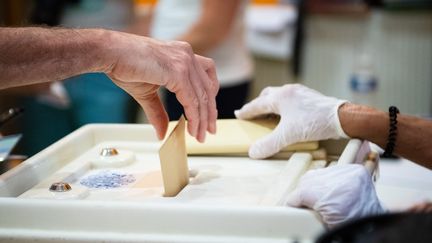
x=391, y=142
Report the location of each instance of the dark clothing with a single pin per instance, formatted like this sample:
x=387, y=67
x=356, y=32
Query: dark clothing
x=228, y=100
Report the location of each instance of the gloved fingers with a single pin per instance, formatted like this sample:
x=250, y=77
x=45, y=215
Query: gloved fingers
x=259, y=106
x=338, y=193
x=267, y=90
x=308, y=190
x=294, y=199
x=270, y=144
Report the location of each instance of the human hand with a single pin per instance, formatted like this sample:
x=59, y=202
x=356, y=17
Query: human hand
x=141, y=65
x=424, y=207
x=306, y=115
x=338, y=193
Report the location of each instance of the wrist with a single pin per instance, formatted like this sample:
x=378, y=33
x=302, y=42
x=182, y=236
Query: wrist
x=359, y=121
x=116, y=48
x=103, y=49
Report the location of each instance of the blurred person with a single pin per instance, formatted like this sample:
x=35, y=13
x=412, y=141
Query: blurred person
x=137, y=64
x=215, y=29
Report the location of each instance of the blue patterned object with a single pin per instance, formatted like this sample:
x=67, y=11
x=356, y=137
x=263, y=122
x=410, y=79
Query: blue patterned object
x=107, y=180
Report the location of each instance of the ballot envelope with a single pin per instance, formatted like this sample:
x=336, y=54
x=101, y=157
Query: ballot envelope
x=104, y=183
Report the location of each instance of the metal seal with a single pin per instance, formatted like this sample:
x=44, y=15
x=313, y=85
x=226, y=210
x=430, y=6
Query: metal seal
x=60, y=187
x=108, y=152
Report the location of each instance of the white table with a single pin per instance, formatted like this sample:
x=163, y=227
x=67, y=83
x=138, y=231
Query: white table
x=403, y=183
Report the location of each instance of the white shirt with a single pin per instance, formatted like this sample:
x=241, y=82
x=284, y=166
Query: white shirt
x=233, y=61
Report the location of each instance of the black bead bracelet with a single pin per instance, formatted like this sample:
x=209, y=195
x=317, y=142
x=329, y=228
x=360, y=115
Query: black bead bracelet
x=391, y=142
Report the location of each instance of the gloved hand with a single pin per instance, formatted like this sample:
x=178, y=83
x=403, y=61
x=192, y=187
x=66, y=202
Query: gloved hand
x=338, y=193
x=306, y=115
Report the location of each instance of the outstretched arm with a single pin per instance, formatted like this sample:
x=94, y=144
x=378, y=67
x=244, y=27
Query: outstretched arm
x=137, y=64
x=413, y=139
x=308, y=115
x=37, y=55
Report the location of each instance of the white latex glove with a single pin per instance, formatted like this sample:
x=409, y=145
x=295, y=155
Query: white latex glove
x=306, y=115
x=338, y=193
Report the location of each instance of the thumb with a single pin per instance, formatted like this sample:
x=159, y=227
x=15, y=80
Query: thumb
x=294, y=199
x=147, y=97
x=155, y=113
x=269, y=145
x=302, y=196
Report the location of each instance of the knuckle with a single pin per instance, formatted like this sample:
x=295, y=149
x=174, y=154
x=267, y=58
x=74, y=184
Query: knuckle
x=210, y=62
x=294, y=87
x=203, y=98
x=185, y=46
x=215, y=87
x=195, y=102
x=266, y=91
x=290, y=89
x=183, y=71
x=186, y=57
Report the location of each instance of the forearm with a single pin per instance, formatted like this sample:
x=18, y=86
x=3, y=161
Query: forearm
x=370, y=124
x=36, y=55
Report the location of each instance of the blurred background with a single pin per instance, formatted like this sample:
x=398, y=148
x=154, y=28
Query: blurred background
x=375, y=52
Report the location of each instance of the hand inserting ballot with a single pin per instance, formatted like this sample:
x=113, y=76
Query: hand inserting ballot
x=338, y=193
x=137, y=64
x=306, y=115
x=146, y=64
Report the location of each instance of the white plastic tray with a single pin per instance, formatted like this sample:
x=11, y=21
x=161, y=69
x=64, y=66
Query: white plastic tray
x=220, y=206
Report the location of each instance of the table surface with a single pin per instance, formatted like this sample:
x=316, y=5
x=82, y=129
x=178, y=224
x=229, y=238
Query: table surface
x=403, y=183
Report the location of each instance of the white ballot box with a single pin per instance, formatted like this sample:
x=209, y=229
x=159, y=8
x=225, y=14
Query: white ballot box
x=103, y=183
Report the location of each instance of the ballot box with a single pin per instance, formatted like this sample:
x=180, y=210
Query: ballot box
x=74, y=191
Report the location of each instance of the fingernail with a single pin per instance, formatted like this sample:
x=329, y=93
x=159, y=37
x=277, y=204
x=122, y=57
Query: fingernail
x=193, y=131
x=160, y=135
x=201, y=137
x=212, y=128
